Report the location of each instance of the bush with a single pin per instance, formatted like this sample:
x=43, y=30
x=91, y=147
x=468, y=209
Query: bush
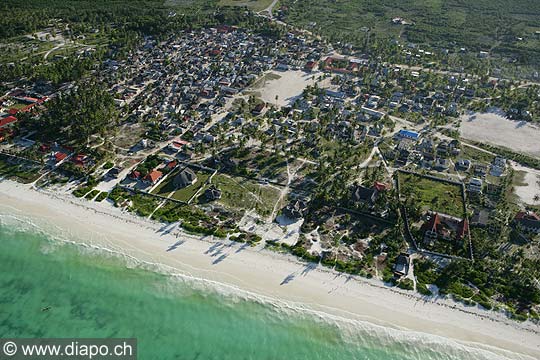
x=460, y=289
x=81, y=191
x=483, y=300
x=108, y=165
x=406, y=284
x=423, y=289
x=388, y=276
x=102, y=196
x=92, y=194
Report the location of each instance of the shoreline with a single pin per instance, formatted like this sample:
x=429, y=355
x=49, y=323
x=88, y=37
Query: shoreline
x=266, y=274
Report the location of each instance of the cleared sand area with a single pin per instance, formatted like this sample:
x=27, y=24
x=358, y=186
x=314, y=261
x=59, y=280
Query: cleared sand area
x=530, y=186
x=493, y=128
x=286, y=85
x=280, y=279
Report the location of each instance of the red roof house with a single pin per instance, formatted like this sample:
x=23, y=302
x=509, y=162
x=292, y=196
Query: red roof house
x=44, y=148
x=172, y=164
x=135, y=174
x=59, y=156
x=7, y=120
x=80, y=159
x=380, y=186
x=310, y=65
x=153, y=176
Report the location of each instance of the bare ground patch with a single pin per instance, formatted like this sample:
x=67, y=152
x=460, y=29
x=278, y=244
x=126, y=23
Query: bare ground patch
x=493, y=128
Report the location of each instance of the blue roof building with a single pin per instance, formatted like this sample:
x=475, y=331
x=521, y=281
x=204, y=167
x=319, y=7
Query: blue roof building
x=408, y=134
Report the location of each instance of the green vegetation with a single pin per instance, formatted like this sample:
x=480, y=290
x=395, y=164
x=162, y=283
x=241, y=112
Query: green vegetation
x=492, y=25
x=148, y=165
x=82, y=191
x=188, y=192
x=92, y=194
x=255, y=5
x=240, y=193
x=143, y=205
x=406, y=284
x=471, y=153
x=184, y=194
x=102, y=196
x=76, y=115
x=523, y=159
x=192, y=219
x=422, y=194
x=252, y=239
x=22, y=171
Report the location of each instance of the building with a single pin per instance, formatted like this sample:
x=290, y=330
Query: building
x=498, y=166
x=408, y=134
x=528, y=221
x=365, y=195
x=59, y=156
x=463, y=165
x=443, y=227
x=212, y=193
x=480, y=218
x=7, y=121
x=295, y=210
x=475, y=185
x=373, y=113
x=153, y=177
x=462, y=229
x=185, y=178
x=480, y=169
x=401, y=267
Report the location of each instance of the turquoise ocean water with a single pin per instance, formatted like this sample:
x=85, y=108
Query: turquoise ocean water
x=92, y=294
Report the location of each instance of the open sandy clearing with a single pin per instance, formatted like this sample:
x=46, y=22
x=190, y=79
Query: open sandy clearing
x=527, y=192
x=492, y=127
x=287, y=87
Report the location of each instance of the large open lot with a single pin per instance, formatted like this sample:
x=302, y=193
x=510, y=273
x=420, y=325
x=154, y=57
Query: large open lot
x=529, y=185
x=493, y=128
x=240, y=193
x=432, y=195
x=286, y=85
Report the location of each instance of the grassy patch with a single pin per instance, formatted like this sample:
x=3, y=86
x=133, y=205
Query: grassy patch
x=24, y=172
x=476, y=155
x=239, y=193
x=82, y=191
x=92, y=194
x=433, y=195
x=102, y=196
x=143, y=205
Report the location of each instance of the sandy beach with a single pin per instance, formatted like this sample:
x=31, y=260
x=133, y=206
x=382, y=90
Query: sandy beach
x=270, y=275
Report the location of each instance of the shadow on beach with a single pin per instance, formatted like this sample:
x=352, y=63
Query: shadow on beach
x=219, y=259
x=175, y=245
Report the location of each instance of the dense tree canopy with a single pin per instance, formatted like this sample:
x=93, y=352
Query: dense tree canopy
x=78, y=114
